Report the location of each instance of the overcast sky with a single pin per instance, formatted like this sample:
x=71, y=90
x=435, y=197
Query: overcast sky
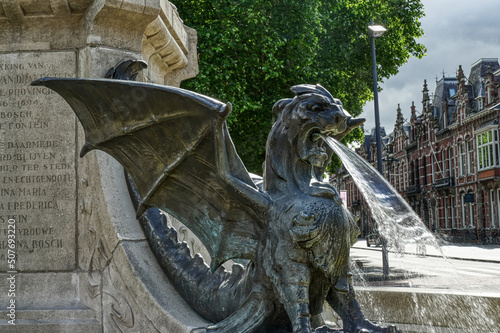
x=456, y=32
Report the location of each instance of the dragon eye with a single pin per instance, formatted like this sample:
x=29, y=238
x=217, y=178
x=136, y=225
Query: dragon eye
x=316, y=108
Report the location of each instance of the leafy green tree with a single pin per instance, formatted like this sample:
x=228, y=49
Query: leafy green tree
x=252, y=51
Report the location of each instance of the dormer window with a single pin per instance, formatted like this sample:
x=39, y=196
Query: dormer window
x=445, y=117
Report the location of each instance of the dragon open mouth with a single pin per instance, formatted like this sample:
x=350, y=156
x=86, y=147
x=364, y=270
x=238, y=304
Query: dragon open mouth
x=315, y=138
x=316, y=134
x=311, y=146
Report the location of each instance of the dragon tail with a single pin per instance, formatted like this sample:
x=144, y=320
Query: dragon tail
x=214, y=296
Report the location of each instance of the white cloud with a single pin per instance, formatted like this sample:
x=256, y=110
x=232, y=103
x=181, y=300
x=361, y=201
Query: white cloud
x=455, y=33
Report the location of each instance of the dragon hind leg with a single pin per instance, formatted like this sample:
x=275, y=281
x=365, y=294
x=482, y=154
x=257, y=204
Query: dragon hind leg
x=347, y=307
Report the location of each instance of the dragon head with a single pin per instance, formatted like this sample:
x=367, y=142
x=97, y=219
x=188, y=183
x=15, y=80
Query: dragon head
x=296, y=142
x=311, y=115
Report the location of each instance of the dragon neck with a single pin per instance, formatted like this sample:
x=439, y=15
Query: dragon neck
x=285, y=172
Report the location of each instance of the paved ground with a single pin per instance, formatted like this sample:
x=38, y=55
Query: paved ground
x=475, y=268
x=461, y=291
x=487, y=253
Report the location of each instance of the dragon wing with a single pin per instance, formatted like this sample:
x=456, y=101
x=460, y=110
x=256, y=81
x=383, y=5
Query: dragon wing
x=168, y=139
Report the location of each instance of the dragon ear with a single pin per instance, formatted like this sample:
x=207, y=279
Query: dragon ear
x=280, y=105
x=303, y=89
x=318, y=89
x=327, y=94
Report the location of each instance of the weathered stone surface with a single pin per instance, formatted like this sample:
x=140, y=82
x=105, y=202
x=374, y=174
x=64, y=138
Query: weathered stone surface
x=80, y=249
x=46, y=302
x=167, y=310
x=125, y=282
x=38, y=178
x=31, y=25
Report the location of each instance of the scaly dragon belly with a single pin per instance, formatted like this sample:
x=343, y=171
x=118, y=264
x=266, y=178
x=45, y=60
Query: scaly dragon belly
x=317, y=232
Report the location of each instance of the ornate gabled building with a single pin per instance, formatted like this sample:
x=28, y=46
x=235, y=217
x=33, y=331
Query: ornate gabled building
x=445, y=160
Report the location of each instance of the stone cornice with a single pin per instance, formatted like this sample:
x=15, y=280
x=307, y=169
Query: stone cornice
x=152, y=28
x=119, y=23
x=42, y=8
x=479, y=115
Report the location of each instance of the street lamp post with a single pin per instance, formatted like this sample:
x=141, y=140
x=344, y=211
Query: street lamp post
x=378, y=31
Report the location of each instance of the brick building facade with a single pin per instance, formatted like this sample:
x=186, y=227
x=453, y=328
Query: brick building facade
x=445, y=160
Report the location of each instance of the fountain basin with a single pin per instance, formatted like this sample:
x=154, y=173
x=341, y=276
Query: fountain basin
x=420, y=309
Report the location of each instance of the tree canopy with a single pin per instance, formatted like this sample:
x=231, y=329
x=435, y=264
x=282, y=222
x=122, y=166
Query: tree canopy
x=252, y=51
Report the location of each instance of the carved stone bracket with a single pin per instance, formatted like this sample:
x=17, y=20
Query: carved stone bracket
x=169, y=47
x=161, y=47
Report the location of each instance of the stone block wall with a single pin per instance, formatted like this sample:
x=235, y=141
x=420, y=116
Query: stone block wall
x=82, y=263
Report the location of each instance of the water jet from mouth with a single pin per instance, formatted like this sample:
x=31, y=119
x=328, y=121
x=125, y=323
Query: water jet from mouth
x=433, y=309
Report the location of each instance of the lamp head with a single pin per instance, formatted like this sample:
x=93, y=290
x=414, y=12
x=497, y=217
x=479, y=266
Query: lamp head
x=376, y=30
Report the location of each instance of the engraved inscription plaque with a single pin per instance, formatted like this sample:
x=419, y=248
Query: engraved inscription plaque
x=37, y=162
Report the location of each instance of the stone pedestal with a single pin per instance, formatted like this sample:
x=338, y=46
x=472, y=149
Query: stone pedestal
x=81, y=261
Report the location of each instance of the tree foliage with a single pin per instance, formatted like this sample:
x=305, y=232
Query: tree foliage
x=252, y=51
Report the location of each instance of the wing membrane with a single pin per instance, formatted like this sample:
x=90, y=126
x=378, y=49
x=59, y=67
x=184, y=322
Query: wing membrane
x=166, y=138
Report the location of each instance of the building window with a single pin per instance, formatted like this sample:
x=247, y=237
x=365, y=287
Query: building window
x=463, y=209
x=424, y=166
x=470, y=153
x=496, y=223
x=417, y=169
x=404, y=175
x=480, y=104
x=444, y=174
x=461, y=152
x=412, y=173
x=445, y=208
x=494, y=207
x=452, y=210
x=433, y=169
x=467, y=211
x=451, y=164
x=487, y=149
x=400, y=177
x=471, y=214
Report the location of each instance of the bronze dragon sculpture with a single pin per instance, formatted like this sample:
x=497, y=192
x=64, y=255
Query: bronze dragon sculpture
x=289, y=225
